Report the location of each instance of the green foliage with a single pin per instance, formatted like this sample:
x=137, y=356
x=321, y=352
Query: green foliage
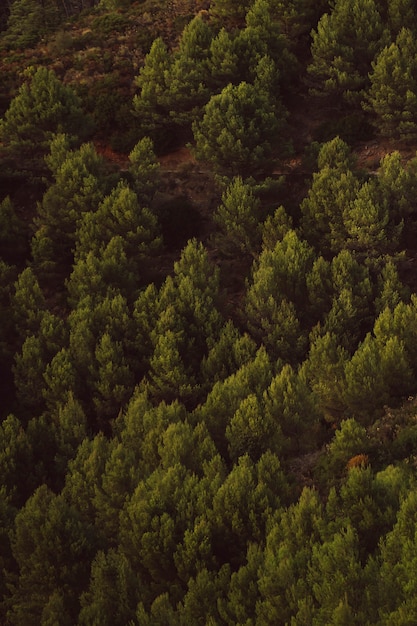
x=227, y=9
x=237, y=128
x=349, y=440
x=43, y=107
x=112, y=584
x=150, y=106
x=218, y=446
x=333, y=189
x=50, y=546
x=291, y=414
x=282, y=582
x=392, y=96
x=368, y=225
x=15, y=458
x=377, y=374
x=145, y=170
x=29, y=20
x=344, y=45
x=77, y=189
x=276, y=297
x=29, y=304
x=189, y=73
x=238, y=218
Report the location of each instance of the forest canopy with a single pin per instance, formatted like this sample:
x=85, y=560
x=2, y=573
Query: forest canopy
x=208, y=312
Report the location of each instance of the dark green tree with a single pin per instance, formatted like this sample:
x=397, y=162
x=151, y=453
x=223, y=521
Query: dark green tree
x=397, y=185
x=229, y=11
x=151, y=104
x=284, y=592
x=29, y=304
x=15, y=460
x=77, y=189
x=238, y=129
x=392, y=95
x=291, y=412
x=111, y=598
x=253, y=377
x=333, y=189
x=51, y=547
x=369, y=228
x=42, y=107
x=239, y=220
x=401, y=14
x=119, y=214
x=324, y=370
x=29, y=20
x=144, y=169
x=336, y=577
x=378, y=374
x=189, y=73
x=344, y=45
x=275, y=302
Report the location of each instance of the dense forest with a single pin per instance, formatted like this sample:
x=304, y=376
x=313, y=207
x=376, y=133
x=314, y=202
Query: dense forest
x=208, y=305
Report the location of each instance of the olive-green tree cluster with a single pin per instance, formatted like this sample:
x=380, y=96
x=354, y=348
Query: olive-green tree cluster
x=172, y=450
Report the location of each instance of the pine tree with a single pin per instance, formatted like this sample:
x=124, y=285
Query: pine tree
x=189, y=73
x=344, y=45
x=332, y=191
x=77, y=189
x=392, y=96
x=238, y=218
x=42, y=108
x=151, y=105
x=238, y=129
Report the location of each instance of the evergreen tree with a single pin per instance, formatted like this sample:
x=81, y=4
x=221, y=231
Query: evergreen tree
x=332, y=191
x=42, y=108
x=151, y=105
x=238, y=129
x=77, y=189
x=15, y=460
x=223, y=59
x=188, y=324
x=112, y=594
x=344, y=45
x=392, y=96
x=119, y=214
x=51, y=547
x=224, y=399
x=399, y=323
x=291, y=413
x=397, y=185
x=189, y=73
x=229, y=11
x=401, y=14
x=283, y=588
x=368, y=224
x=398, y=566
x=228, y=354
x=391, y=291
x=238, y=218
x=336, y=577
x=29, y=20
x=275, y=227
x=324, y=372
x=28, y=304
x=276, y=298
x=114, y=384
x=144, y=169
x=377, y=374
